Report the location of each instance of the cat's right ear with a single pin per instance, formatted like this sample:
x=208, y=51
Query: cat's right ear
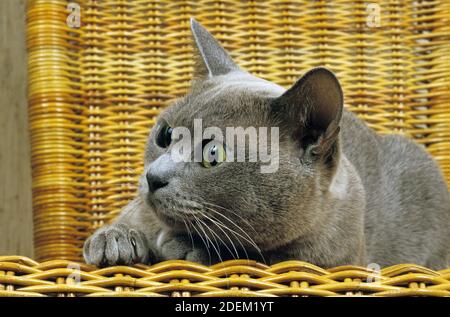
x=211, y=59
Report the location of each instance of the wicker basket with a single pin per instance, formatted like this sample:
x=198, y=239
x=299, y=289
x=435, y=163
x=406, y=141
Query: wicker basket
x=21, y=276
x=95, y=90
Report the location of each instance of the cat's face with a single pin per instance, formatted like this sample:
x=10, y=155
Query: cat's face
x=228, y=200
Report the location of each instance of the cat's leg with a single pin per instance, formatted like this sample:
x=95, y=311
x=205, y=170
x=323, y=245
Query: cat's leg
x=136, y=236
x=129, y=239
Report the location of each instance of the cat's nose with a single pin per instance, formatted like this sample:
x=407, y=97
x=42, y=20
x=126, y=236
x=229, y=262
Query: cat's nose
x=155, y=181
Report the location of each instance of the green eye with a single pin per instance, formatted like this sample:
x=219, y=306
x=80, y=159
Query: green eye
x=213, y=154
x=164, y=137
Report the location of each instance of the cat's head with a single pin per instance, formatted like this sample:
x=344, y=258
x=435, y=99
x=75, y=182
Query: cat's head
x=237, y=200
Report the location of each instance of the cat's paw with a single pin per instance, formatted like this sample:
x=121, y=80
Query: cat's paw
x=180, y=247
x=115, y=244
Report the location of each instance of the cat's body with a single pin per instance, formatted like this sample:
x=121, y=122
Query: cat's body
x=342, y=194
x=407, y=202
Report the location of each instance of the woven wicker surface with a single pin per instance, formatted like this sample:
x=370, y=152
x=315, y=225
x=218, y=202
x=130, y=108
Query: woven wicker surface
x=94, y=92
x=21, y=276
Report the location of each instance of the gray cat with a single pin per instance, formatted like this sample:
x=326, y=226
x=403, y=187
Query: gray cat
x=341, y=195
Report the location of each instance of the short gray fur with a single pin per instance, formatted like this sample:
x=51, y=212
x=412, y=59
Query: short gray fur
x=342, y=193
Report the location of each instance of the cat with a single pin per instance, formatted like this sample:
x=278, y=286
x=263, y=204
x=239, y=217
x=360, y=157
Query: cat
x=341, y=195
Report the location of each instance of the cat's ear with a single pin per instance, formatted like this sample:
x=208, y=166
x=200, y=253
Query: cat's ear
x=211, y=57
x=312, y=108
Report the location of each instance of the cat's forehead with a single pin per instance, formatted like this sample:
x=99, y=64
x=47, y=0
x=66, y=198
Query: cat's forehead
x=237, y=98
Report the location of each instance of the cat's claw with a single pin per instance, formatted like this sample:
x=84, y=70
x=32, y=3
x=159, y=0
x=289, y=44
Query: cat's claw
x=115, y=244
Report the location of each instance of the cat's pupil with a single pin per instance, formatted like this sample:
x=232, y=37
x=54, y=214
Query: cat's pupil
x=212, y=152
x=165, y=137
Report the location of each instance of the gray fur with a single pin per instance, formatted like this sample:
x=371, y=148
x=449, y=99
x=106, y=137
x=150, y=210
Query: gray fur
x=342, y=193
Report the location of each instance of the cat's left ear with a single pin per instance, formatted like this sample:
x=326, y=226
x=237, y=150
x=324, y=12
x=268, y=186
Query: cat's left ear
x=211, y=58
x=312, y=110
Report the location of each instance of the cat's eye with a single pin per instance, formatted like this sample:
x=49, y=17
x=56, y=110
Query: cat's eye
x=164, y=137
x=213, y=154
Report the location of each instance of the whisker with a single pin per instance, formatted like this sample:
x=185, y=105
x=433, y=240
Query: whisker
x=233, y=212
x=248, y=239
x=212, y=243
x=231, y=221
x=219, y=224
x=278, y=214
x=237, y=235
x=212, y=231
x=207, y=249
x=203, y=230
x=189, y=231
